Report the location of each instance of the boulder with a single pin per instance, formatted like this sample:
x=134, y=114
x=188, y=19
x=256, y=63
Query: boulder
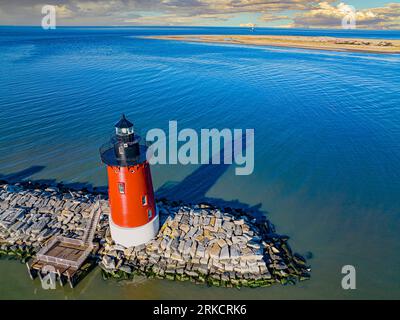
x=184, y=227
x=200, y=252
x=215, y=251
x=108, y=262
x=224, y=254
x=234, y=252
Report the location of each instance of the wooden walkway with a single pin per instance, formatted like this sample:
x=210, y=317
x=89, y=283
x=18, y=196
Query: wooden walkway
x=63, y=256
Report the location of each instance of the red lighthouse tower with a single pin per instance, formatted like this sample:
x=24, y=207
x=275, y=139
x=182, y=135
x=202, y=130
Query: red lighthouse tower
x=134, y=217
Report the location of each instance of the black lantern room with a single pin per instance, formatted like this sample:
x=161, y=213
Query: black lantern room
x=124, y=148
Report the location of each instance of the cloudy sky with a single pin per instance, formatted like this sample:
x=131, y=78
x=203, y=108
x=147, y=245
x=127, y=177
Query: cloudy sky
x=371, y=14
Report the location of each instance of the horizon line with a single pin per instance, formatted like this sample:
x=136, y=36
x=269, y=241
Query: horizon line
x=194, y=26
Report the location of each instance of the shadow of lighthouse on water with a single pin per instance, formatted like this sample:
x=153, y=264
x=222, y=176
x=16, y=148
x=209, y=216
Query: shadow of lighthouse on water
x=193, y=188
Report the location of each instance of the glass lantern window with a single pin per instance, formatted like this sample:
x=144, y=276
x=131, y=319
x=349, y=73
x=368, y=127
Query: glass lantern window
x=123, y=131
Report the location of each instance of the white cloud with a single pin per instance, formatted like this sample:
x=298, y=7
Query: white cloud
x=172, y=19
x=325, y=15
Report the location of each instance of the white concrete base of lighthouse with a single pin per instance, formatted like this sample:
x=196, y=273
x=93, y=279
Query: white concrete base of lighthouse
x=131, y=237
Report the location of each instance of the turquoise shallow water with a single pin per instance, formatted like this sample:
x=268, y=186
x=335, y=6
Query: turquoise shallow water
x=327, y=138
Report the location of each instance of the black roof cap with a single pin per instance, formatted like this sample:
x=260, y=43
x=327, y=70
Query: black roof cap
x=124, y=123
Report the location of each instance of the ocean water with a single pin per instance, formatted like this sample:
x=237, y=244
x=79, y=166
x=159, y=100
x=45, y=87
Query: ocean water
x=327, y=142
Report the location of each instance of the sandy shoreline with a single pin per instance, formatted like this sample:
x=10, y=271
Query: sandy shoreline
x=304, y=42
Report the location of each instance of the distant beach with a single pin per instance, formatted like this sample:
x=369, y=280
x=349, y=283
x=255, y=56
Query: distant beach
x=304, y=42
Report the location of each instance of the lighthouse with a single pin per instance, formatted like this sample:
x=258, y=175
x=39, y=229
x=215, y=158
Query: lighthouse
x=134, y=218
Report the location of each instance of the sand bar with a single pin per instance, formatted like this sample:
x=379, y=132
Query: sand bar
x=304, y=42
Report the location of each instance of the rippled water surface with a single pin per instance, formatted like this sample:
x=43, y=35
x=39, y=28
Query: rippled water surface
x=327, y=127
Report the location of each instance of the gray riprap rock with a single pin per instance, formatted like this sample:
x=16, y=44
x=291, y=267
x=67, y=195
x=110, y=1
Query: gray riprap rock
x=225, y=276
x=164, y=243
x=214, y=251
x=17, y=226
x=227, y=225
x=203, y=269
x=37, y=227
x=191, y=232
x=187, y=246
x=238, y=239
x=254, y=269
x=10, y=216
x=181, y=246
x=191, y=273
x=251, y=254
x=184, y=227
x=45, y=234
x=125, y=268
x=228, y=266
x=221, y=242
x=280, y=266
x=218, y=223
x=174, y=244
x=176, y=256
x=200, y=252
x=253, y=244
x=239, y=222
x=217, y=264
x=193, y=247
x=140, y=247
x=238, y=231
x=108, y=262
x=235, y=253
x=224, y=254
x=204, y=260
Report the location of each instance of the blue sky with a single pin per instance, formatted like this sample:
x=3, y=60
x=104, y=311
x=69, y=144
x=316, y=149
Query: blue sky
x=370, y=14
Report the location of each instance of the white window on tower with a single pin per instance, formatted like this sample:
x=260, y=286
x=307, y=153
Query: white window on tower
x=144, y=200
x=121, y=187
x=150, y=213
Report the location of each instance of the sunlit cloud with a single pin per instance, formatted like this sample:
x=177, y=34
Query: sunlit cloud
x=325, y=15
x=172, y=19
x=292, y=13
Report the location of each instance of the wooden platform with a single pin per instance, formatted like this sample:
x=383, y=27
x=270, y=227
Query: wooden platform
x=66, y=251
x=63, y=256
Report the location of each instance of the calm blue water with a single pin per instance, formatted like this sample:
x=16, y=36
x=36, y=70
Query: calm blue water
x=327, y=138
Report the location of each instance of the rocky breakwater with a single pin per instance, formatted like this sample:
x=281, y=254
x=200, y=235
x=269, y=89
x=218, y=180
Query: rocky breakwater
x=31, y=214
x=205, y=244
x=200, y=243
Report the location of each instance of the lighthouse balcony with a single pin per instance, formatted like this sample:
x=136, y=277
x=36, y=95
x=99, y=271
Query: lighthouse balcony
x=124, y=154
